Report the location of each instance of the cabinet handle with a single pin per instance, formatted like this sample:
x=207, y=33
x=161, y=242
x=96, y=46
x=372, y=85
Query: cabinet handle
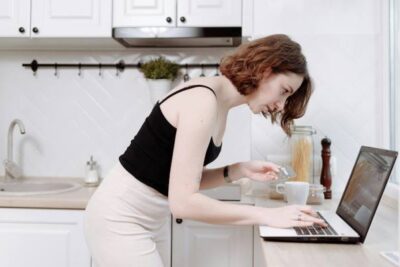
x=183, y=19
x=169, y=19
x=35, y=30
x=179, y=221
x=21, y=29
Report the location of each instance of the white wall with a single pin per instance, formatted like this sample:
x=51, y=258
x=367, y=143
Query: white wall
x=68, y=117
x=344, y=42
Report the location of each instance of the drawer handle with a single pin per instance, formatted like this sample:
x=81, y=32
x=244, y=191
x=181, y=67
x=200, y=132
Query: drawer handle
x=35, y=30
x=179, y=221
x=21, y=29
x=183, y=19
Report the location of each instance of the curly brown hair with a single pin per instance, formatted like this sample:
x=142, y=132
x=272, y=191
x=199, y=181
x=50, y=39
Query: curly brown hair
x=246, y=66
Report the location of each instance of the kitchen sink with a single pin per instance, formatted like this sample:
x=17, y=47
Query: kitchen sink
x=26, y=188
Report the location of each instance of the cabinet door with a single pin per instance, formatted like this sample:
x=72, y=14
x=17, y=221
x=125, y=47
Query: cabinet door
x=209, y=13
x=199, y=244
x=144, y=13
x=15, y=16
x=72, y=18
x=45, y=238
x=258, y=255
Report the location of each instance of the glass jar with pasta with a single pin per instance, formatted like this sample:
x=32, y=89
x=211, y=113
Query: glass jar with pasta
x=302, y=146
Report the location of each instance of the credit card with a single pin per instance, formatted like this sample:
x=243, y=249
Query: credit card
x=285, y=173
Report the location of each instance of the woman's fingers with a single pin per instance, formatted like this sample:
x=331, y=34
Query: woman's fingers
x=308, y=210
x=262, y=177
x=303, y=224
x=271, y=175
x=308, y=218
x=309, y=215
x=272, y=166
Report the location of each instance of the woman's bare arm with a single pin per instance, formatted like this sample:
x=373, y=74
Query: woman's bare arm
x=205, y=209
x=212, y=178
x=194, y=129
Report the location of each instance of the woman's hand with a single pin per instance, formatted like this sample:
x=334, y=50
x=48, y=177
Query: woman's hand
x=259, y=170
x=290, y=216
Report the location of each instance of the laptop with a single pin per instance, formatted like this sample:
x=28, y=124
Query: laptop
x=353, y=217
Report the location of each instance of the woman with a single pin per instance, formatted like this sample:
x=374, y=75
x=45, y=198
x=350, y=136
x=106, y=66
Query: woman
x=162, y=169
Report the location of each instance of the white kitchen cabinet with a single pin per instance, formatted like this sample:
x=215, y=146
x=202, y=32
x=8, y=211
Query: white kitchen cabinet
x=72, y=18
x=15, y=16
x=55, y=18
x=144, y=13
x=42, y=238
x=209, y=13
x=198, y=244
x=182, y=13
x=258, y=255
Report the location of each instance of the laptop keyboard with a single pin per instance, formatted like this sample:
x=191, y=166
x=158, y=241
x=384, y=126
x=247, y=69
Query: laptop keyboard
x=316, y=229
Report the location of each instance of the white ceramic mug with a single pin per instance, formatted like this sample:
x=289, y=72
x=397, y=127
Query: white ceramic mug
x=296, y=192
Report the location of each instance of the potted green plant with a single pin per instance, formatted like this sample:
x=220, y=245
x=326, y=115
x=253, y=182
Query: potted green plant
x=159, y=73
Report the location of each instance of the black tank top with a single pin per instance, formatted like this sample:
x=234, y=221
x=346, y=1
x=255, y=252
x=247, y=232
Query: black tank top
x=149, y=155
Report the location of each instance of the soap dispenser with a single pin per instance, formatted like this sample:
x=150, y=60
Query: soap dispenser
x=92, y=176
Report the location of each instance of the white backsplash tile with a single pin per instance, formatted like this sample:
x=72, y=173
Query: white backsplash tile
x=346, y=105
x=68, y=118
x=346, y=55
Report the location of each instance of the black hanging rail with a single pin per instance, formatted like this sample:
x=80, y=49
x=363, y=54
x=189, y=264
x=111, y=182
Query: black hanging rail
x=120, y=66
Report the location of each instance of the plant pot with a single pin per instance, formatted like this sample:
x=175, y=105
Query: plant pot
x=158, y=89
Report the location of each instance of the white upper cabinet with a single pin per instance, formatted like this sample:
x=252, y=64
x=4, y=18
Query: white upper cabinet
x=182, y=13
x=56, y=18
x=72, y=18
x=142, y=13
x=15, y=18
x=209, y=13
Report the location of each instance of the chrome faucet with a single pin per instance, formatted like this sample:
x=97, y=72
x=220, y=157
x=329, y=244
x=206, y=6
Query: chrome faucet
x=12, y=170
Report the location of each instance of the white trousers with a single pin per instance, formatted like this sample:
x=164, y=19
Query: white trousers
x=126, y=223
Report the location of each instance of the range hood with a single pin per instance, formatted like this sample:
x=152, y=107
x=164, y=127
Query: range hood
x=178, y=36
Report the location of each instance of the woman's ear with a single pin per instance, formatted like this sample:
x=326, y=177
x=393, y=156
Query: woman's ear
x=267, y=73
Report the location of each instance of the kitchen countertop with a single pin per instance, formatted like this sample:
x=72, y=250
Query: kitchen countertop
x=74, y=199
x=382, y=236
x=78, y=198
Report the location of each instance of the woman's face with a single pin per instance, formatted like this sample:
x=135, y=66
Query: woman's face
x=273, y=91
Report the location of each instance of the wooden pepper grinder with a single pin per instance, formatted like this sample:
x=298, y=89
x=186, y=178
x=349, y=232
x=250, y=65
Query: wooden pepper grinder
x=326, y=177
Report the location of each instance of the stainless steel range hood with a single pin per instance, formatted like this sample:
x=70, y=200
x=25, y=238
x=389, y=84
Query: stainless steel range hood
x=178, y=37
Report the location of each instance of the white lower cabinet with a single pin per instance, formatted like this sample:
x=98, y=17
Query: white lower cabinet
x=198, y=244
x=54, y=237
x=258, y=255
x=42, y=238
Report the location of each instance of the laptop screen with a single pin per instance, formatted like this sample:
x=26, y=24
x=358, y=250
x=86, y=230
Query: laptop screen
x=365, y=188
